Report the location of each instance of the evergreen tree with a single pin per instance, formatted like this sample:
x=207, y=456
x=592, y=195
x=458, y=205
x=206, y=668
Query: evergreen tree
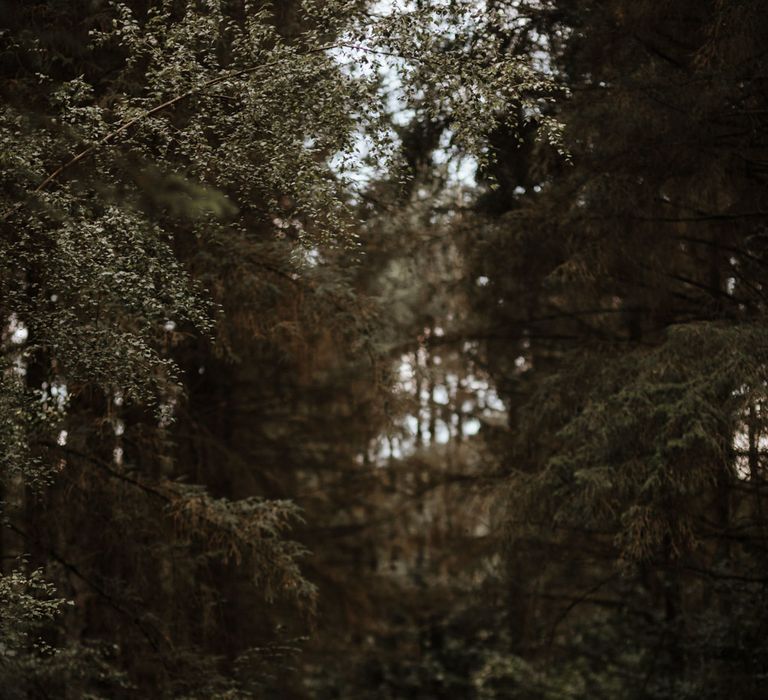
x=624, y=322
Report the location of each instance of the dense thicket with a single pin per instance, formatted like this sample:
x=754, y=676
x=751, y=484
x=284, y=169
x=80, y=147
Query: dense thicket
x=624, y=320
x=192, y=359
x=365, y=351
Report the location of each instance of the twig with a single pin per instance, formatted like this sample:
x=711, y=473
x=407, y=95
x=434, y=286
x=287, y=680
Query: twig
x=82, y=155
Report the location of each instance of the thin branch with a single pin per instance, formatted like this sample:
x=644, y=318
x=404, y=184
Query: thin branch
x=101, y=592
x=583, y=597
x=82, y=155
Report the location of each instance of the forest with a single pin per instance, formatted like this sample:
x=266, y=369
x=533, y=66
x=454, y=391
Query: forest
x=383, y=349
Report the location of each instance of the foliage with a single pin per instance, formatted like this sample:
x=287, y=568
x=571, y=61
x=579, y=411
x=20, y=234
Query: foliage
x=625, y=325
x=175, y=202
x=406, y=350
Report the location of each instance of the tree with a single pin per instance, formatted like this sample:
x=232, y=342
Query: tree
x=169, y=175
x=624, y=323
